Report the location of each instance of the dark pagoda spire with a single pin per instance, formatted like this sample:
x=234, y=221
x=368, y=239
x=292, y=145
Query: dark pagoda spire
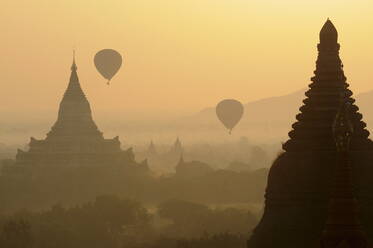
x=328, y=33
x=74, y=115
x=74, y=96
x=73, y=66
x=299, y=181
x=312, y=131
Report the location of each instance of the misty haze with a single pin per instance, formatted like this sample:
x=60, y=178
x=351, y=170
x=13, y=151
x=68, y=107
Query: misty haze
x=186, y=124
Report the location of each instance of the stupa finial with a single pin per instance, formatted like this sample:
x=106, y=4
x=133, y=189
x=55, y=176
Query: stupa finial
x=328, y=33
x=73, y=66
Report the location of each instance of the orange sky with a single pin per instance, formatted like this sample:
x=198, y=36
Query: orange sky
x=180, y=55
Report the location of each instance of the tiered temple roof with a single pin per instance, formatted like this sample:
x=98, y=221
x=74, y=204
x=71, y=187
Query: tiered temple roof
x=299, y=182
x=74, y=115
x=312, y=131
x=74, y=138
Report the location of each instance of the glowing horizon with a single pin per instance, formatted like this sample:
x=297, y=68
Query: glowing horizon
x=180, y=57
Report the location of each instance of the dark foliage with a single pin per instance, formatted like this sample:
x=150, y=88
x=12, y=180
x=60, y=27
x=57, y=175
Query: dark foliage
x=223, y=240
x=106, y=222
x=16, y=234
x=40, y=187
x=192, y=219
x=112, y=222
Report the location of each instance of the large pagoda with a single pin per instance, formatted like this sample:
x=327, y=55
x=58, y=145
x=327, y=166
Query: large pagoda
x=299, y=182
x=74, y=139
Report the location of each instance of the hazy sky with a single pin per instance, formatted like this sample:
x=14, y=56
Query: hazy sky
x=180, y=55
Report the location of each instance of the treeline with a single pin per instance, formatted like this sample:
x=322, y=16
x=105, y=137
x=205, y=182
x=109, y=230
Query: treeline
x=112, y=222
x=37, y=188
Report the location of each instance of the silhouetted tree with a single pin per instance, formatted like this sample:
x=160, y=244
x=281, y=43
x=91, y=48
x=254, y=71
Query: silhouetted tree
x=16, y=234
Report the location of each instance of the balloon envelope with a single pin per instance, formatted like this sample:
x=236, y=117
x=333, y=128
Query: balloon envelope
x=108, y=62
x=229, y=112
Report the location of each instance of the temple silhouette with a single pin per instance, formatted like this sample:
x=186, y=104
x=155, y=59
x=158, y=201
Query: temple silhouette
x=191, y=169
x=152, y=151
x=74, y=139
x=177, y=149
x=300, y=182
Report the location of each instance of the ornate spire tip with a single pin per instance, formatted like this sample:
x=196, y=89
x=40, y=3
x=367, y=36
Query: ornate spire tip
x=73, y=66
x=328, y=33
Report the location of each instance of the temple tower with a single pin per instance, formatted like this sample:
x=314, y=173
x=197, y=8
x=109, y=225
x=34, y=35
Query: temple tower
x=152, y=151
x=74, y=139
x=177, y=148
x=74, y=115
x=299, y=182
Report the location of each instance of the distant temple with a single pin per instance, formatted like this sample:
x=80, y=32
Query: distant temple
x=300, y=180
x=177, y=148
x=74, y=138
x=192, y=169
x=152, y=151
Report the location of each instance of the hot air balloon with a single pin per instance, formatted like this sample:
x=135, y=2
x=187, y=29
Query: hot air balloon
x=229, y=112
x=108, y=62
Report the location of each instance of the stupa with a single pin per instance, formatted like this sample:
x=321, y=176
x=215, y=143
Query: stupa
x=300, y=179
x=74, y=139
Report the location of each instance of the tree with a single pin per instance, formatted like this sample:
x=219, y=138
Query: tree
x=16, y=234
